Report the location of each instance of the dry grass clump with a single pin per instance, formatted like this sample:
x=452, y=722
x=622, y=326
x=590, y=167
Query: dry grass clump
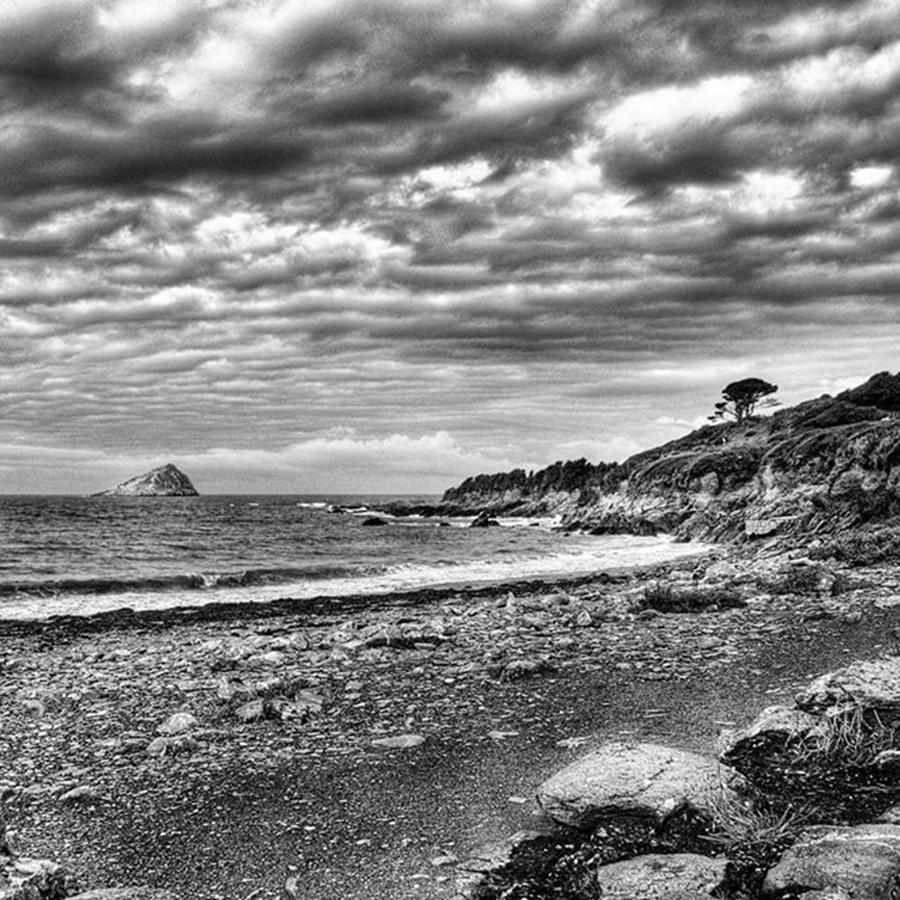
x=670, y=599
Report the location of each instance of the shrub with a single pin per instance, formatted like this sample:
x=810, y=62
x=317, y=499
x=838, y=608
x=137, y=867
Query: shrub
x=667, y=598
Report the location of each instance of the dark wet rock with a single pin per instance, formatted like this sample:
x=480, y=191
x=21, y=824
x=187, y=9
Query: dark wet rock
x=863, y=860
x=483, y=520
x=640, y=779
x=661, y=876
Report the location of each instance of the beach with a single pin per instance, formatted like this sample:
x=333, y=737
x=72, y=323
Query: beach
x=276, y=780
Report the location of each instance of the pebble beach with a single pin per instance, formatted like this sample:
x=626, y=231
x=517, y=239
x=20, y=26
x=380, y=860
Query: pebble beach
x=368, y=748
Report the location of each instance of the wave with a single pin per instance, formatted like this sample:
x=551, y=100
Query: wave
x=82, y=597
x=187, y=581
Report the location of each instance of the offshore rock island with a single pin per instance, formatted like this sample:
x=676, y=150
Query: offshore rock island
x=163, y=481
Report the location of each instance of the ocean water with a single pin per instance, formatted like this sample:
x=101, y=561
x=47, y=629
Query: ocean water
x=77, y=556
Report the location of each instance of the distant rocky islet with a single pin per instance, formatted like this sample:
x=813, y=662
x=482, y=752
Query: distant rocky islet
x=163, y=481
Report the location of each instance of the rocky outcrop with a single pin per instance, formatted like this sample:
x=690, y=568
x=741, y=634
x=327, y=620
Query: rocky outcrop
x=818, y=468
x=163, y=481
x=635, y=779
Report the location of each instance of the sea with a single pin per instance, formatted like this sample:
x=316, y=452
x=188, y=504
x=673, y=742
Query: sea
x=80, y=556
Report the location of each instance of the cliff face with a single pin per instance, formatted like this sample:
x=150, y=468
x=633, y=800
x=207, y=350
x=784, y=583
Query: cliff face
x=819, y=467
x=163, y=481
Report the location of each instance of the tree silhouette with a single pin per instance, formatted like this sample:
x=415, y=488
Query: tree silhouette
x=742, y=397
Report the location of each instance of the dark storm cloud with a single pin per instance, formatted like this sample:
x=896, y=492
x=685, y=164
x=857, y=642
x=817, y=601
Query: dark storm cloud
x=284, y=217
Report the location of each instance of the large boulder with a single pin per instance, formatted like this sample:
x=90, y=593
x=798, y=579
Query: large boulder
x=661, y=876
x=634, y=779
x=872, y=684
x=753, y=746
x=863, y=860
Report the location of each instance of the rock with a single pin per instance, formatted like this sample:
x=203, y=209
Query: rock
x=770, y=731
x=125, y=893
x=483, y=520
x=82, y=794
x=399, y=742
x=661, y=876
x=873, y=684
x=252, y=711
x=863, y=860
x=721, y=571
x=171, y=746
x=34, y=708
x=831, y=893
x=761, y=527
x=178, y=723
x=372, y=521
x=163, y=481
x=525, y=668
x=33, y=879
x=642, y=779
x=486, y=859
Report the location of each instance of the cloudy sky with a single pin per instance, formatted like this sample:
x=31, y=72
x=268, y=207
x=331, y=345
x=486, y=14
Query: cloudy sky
x=379, y=245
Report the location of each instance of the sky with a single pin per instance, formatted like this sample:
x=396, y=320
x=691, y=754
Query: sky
x=344, y=246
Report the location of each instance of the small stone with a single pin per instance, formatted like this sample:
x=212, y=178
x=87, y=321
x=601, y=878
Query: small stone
x=252, y=711
x=178, y=723
x=399, y=742
x=34, y=708
x=81, y=794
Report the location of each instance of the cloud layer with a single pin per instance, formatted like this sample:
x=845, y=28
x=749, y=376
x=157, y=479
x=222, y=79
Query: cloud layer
x=272, y=239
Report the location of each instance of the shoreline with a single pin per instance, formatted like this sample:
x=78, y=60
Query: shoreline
x=224, y=610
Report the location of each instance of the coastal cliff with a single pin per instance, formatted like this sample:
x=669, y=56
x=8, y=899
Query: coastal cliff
x=163, y=481
x=820, y=467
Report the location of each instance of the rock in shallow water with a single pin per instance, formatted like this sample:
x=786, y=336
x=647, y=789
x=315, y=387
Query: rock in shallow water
x=643, y=779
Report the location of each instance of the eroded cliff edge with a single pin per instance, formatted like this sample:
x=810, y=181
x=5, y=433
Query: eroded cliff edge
x=820, y=467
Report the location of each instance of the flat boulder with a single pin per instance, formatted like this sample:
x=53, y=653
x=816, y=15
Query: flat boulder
x=661, y=876
x=872, y=684
x=634, y=779
x=861, y=860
